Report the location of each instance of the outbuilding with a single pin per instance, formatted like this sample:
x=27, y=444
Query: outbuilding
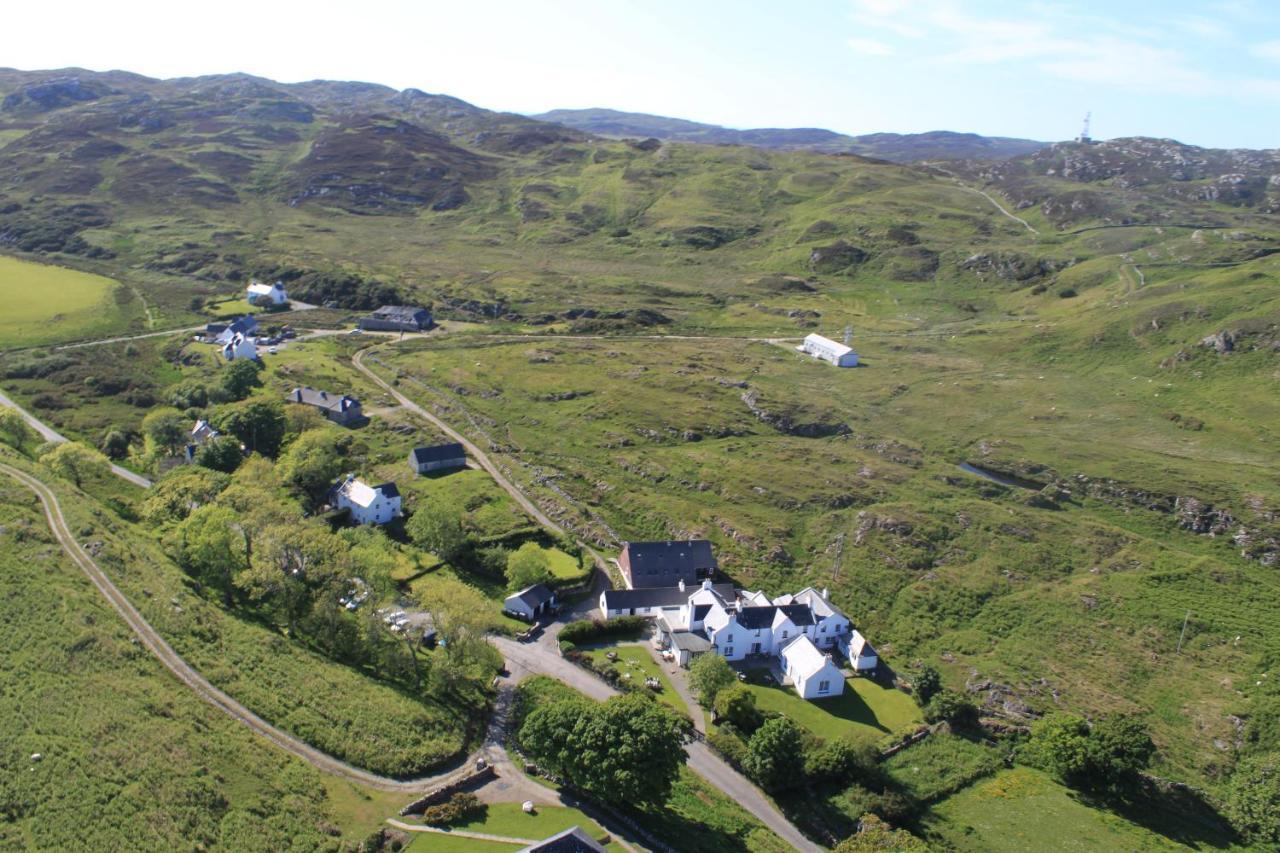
x=397, y=318
x=654, y=564
x=342, y=409
x=437, y=457
x=240, y=346
x=828, y=350
x=258, y=293
x=531, y=602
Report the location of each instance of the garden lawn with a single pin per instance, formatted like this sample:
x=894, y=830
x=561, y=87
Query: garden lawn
x=1023, y=809
x=44, y=303
x=566, y=567
x=510, y=820
x=636, y=660
x=435, y=842
x=865, y=710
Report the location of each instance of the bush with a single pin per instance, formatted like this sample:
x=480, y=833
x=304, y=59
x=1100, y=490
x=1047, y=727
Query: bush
x=839, y=760
x=568, y=647
x=461, y=807
x=951, y=707
x=927, y=684
x=729, y=745
x=737, y=705
x=1066, y=293
x=774, y=758
x=593, y=630
x=1252, y=801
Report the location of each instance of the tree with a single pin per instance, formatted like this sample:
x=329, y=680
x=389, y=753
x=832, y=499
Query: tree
x=839, y=760
x=1252, y=800
x=114, y=444
x=528, y=566
x=166, y=429
x=1123, y=748
x=75, y=462
x=240, y=377
x=210, y=547
x=14, y=430
x=438, y=529
x=775, y=755
x=927, y=684
x=289, y=560
x=708, y=675
x=189, y=395
x=1105, y=755
x=258, y=423
x=627, y=750
x=736, y=705
x=220, y=454
x=951, y=707
x=186, y=488
x=875, y=835
x=312, y=463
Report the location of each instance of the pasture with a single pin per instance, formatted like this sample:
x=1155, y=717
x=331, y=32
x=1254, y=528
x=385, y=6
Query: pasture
x=48, y=304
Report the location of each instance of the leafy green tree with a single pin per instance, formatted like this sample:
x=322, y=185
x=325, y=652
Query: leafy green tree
x=240, y=377
x=166, y=429
x=1252, y=800
x=220, y=454
x=175, y=495
x=210, y=546
x=736, y=705
x=14, y=430
x=528, y=566
x=287, y=562
x=876, y=836
x=775, y=755
x=190, y=395
x=311, y=464
x=114, y=444
x=840, y=760
x=258, y=423
x=438, y=529
x=708, y=675
x=75, y=462
x=1104, y=755
x=627, y=750
x=953, y=707
x=927, y=684
x=1123, y=748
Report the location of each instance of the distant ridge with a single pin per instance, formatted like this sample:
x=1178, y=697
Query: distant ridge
x=898, y=147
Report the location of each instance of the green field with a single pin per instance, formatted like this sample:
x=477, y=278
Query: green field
x=864, y=711
x=47, y=304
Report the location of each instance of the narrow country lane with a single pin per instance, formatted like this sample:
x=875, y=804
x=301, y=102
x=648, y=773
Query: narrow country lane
x=49, y=434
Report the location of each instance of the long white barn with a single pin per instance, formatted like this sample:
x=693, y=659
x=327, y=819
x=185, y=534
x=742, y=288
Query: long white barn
x=828, y=350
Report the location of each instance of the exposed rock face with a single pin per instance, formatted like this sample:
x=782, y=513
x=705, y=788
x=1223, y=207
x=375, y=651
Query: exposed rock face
x=707, y=236
x=868, y=522
x=1199, y=517
x=1011, y=266
x=53, y=94
x=1223, y=342
x=785, y=422
x=837, y=257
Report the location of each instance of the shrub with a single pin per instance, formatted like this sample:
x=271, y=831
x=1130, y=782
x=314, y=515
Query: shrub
x=737, y=705
x=568, y=647
x=927, y=683
x=839, y=760
x=1066, y=293
x=774, y=756
x=951, y=707
x=592, y=630
x=1252, y=801
x=729, y=745
x=462, y=806
x=708, y=675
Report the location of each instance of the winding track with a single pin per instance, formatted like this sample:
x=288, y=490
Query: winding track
x=193, y=679
x=52, y=436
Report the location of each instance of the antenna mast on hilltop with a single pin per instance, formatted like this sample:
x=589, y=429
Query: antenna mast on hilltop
x=848, y=334
x=1084, y=134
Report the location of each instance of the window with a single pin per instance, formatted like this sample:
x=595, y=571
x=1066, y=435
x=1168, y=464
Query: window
x=784, y=633
x=728, y=652
x=824, y=686
x=824, y=629
x=729, y=639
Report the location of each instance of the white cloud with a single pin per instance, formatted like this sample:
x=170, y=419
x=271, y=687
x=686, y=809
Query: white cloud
x=1267, y=50
x=870, y=47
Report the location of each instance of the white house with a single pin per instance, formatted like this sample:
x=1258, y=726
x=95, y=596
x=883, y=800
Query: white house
x=367, y=504
x=258, y=293
x=200, y=433
x=830, y=624
x=223, y=333
x=813, y=674
x=240, y=346
x=530, y=602
x=862, y=657
x=828, y=350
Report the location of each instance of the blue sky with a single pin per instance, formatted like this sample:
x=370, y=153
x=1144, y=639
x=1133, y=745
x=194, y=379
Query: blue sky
x=1207, y=73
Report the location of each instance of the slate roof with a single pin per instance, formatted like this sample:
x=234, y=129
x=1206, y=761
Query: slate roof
x=534, y=596
x=437, y=453
x=799, y=614
x=659, y=596
x=243, y=326
x=756, y=617
x=322, y=399
x=669, y=561
x=690, y=641
x=401, y=313
x=700, y=612
x=572, y=840
x=389, y=490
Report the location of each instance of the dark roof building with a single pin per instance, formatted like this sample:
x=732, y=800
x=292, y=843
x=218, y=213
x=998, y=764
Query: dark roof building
x=572, y=840
x=397, y=318
x=653, y=564
x=437, y=457
x=641, y=600
x=341, y=409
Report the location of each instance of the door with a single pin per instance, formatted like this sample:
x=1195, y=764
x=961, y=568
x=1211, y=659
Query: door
x=755, y=648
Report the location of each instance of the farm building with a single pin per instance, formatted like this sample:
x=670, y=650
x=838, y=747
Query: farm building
x=438, y=457
x=240, y=346
x=367, y=504
x=653, y=564
x=828, y=350
x=258, y=293
x=531, y=602
x=813, y=674
x=397, y=318
x=572, y=840
x=341, y=409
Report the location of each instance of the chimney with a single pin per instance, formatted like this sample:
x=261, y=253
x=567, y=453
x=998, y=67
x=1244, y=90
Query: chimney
x=825, y=596
x=681, y=584
x=706, y=584
x=297, y=394
x=324, y=395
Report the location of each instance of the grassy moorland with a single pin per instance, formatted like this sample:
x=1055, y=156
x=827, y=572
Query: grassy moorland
x=129, y=759
x=45, y=303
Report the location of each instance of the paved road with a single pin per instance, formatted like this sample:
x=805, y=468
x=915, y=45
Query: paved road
x=49, y=434
x=539, y=658
x=198, y=683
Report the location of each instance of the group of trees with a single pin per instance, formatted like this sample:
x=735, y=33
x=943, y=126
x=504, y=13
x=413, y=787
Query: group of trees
x=1103, y=756
x=627, y=750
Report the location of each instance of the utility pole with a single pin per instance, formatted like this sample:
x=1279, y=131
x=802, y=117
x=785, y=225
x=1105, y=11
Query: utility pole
x=1184, y=631
x=835, y=568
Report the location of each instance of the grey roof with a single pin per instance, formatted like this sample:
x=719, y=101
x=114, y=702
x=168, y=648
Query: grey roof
x=407, y=313
x=658, y=596
x=389, y=490
x=572, y=840
x=323, y=399
x=437, y=453
x=534, y=596
x=243, y=325
x=700, y=612
x=690, y=641
x=756, y=617
x=669, y=560
x=799, y=614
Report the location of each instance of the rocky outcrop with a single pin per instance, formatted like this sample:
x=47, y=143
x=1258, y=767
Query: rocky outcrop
x=837, y=257
x=787, y=422
x=1011, y=266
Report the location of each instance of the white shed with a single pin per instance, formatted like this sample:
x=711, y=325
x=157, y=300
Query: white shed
x=530, y=602
x=862, y=656
x=814, y=675
x=258, y=293
x=828, y=350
